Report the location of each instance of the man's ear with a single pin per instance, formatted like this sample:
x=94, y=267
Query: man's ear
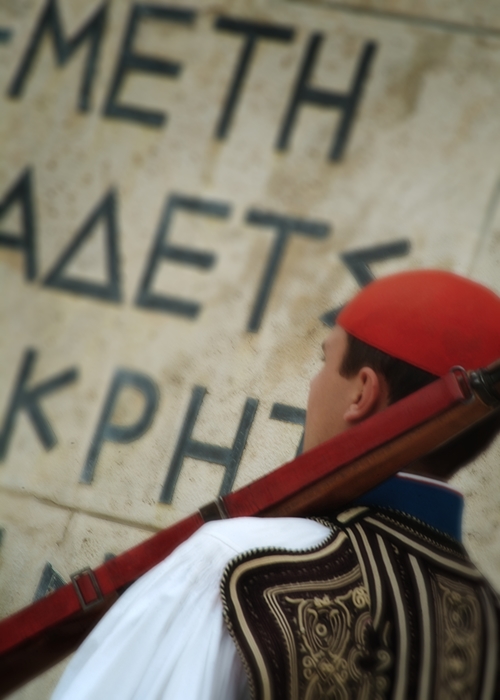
x=369, y=395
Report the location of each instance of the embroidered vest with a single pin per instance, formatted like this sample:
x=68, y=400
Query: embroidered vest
x=385, y=608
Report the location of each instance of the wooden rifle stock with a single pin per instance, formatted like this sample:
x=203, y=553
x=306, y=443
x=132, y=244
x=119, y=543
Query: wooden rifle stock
x=342, y=486
x=328, y=477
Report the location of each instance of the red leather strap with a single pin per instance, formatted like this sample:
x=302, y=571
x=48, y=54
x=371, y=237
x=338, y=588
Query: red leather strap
x=112, y=576
x=254, y=499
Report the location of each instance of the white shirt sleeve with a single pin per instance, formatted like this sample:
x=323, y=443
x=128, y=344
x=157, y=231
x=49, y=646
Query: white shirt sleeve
x=165, y=638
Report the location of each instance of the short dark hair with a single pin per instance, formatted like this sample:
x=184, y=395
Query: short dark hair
x=403, y=379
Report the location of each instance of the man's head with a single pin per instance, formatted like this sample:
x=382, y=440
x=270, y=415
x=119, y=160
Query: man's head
x=338, y=400
x=397, y=335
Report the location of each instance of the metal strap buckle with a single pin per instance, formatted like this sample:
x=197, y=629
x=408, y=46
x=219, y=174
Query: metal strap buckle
x=215, y=510
x=463, y=381
x=87, y=571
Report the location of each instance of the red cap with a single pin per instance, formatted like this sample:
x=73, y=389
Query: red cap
x=428, y=318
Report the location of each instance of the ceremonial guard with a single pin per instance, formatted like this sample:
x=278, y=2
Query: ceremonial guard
x=376, y=601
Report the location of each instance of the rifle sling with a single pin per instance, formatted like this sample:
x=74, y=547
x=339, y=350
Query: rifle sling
x=52, y=627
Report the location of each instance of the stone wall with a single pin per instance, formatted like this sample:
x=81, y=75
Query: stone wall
x=187, y=193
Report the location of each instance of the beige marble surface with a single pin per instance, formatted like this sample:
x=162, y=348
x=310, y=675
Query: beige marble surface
x=460, y=15
x=421, y=165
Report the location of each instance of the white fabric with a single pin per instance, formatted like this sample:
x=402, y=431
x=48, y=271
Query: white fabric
x=165, y=638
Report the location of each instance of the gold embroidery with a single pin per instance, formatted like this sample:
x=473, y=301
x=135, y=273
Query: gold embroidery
x=336, y=654
x=460, y=632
